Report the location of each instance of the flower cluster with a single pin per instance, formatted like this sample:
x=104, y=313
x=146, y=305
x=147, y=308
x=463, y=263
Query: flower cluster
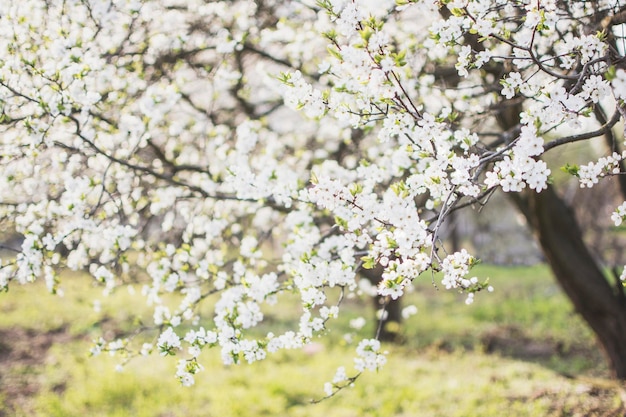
x=591, y=173
x=619, y=215
x=369, y=356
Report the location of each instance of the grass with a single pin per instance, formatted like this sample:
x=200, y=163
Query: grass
x=519, y=351
x=526, y=305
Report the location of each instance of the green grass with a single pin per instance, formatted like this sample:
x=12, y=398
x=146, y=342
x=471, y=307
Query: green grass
x=526, y=303
x=458, y=360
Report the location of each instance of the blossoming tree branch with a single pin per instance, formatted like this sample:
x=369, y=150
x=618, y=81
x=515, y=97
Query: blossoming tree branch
x=235, y=152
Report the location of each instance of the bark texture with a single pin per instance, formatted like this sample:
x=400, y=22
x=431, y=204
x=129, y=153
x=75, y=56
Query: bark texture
x=601, y=304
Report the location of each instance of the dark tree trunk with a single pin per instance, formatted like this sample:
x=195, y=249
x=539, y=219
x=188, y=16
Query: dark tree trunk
x=601, y=305
x=389, y=328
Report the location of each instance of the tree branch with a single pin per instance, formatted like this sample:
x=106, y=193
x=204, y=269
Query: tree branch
x=584, y=136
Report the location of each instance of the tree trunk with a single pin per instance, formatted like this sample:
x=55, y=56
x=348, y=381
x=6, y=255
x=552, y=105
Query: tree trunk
x=602, y=306
x=389, y=326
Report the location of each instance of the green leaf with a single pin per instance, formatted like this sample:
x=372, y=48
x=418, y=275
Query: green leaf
x=610, y=73
x=457, y=12
x=343, y=223
x=366, y=33
x=368, y=262
x=335, y=52
x=356, y=189
x=571, y=169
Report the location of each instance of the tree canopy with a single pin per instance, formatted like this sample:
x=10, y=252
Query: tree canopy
x=233, y=152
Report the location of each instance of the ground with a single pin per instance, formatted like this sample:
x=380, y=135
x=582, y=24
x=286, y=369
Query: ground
x=456, y=361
